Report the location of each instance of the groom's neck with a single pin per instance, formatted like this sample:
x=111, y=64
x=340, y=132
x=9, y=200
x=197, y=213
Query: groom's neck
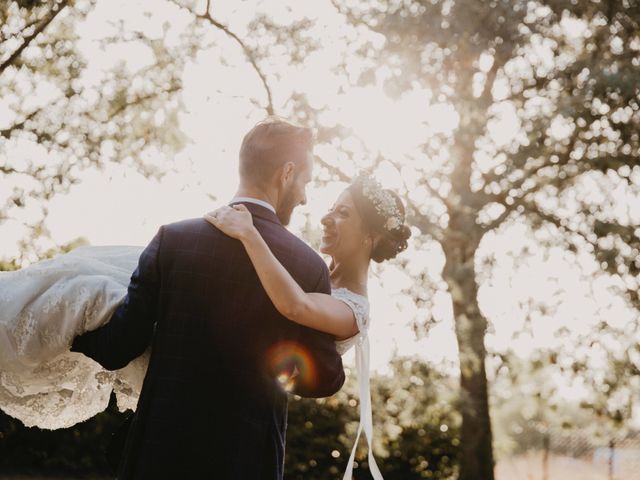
x=257, y=193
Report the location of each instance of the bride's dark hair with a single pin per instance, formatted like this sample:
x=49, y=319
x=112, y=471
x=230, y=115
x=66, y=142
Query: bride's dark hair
x=383, y=214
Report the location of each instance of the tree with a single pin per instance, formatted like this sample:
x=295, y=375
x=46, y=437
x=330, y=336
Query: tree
x=62, y=114
x=564, y=73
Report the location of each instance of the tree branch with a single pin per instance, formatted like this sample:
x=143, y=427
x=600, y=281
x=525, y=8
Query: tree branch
x=22, y=30
x=353, y=19
x=414, y=217
x=33, y=173
x=8, y=170
x=557, y=222
x=334, y=170
x=486, y=98
x=6, y=133
x=142, y=99
x=633, y=294
x=246, y=50
x=47, y=20
x=522, y=199
x=432, y=190
x=509, y=209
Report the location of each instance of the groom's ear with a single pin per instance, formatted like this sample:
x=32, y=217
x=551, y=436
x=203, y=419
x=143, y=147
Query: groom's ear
x=288, y=172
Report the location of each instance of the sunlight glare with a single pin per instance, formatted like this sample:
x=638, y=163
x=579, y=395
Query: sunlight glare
x=386, y=127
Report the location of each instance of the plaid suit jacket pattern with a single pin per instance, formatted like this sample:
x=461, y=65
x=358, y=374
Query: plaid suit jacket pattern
x=211, y=405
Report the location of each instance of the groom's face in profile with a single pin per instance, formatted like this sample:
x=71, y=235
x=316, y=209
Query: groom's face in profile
x=295, y=194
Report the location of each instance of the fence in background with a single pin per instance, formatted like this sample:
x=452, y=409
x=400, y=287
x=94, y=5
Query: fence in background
x=574, y=456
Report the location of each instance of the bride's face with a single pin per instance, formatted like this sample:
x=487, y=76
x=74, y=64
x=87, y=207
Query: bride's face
x=344, y=235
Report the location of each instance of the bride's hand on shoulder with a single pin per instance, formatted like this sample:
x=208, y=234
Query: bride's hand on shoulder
x=235, y=221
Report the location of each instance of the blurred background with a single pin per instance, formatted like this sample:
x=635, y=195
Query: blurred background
x=505, y=340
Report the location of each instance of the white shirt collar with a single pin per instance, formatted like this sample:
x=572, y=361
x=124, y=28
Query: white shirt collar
x=257, y=201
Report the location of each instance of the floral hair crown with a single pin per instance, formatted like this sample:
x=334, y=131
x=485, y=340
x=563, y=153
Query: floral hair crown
x=382, y=200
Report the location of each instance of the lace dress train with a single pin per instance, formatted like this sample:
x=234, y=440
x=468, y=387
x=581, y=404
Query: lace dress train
x=43, y=307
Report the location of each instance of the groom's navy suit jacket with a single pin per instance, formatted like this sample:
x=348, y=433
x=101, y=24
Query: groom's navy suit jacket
x=213, y=403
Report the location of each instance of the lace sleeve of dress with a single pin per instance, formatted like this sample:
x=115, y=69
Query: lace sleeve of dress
x=360, y=307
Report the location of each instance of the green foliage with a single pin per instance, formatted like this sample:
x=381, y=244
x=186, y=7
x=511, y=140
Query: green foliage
x=76, y=452
x=66, y=248
x=14, y=264
x=314, y=431
x=7, y=266
x=66, y=114
x=418, y=407
x=416, y=428
x=423, y=453
x=416, y=433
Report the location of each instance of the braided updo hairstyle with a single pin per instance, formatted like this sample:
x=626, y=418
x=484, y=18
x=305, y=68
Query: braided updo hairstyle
x=383, y=214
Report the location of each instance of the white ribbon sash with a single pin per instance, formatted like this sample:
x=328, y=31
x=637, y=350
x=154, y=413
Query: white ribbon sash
x=366, y=417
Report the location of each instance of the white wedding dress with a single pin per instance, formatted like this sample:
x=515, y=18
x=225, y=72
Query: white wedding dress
x=45, y=306
x=42, y=308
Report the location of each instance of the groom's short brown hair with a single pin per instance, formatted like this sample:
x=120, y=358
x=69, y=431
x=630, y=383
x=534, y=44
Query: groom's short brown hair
x=269, y=145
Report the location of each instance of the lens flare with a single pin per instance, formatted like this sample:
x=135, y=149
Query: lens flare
x=291, y=364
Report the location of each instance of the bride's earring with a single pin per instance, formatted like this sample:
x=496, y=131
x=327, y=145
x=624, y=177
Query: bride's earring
x=373, y=241
x=368, y=243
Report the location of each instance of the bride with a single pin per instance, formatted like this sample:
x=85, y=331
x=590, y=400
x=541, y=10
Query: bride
x=366, y=223
x=44, y=384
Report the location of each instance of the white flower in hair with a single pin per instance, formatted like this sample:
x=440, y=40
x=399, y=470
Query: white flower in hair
x=392, y=223
x=383, y=201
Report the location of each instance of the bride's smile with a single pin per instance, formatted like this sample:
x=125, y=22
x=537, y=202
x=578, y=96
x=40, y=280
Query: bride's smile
x=343, y=233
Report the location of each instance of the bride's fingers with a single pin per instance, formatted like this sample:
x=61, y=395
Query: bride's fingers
x=217, y=212
x=221, y=214
x=212, y=217
x=240, y=208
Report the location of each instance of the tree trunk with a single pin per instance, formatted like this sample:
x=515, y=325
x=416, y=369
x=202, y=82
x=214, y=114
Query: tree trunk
x=475, y=435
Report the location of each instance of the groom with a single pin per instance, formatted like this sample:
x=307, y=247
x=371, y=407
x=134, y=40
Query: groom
x=214, y=400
